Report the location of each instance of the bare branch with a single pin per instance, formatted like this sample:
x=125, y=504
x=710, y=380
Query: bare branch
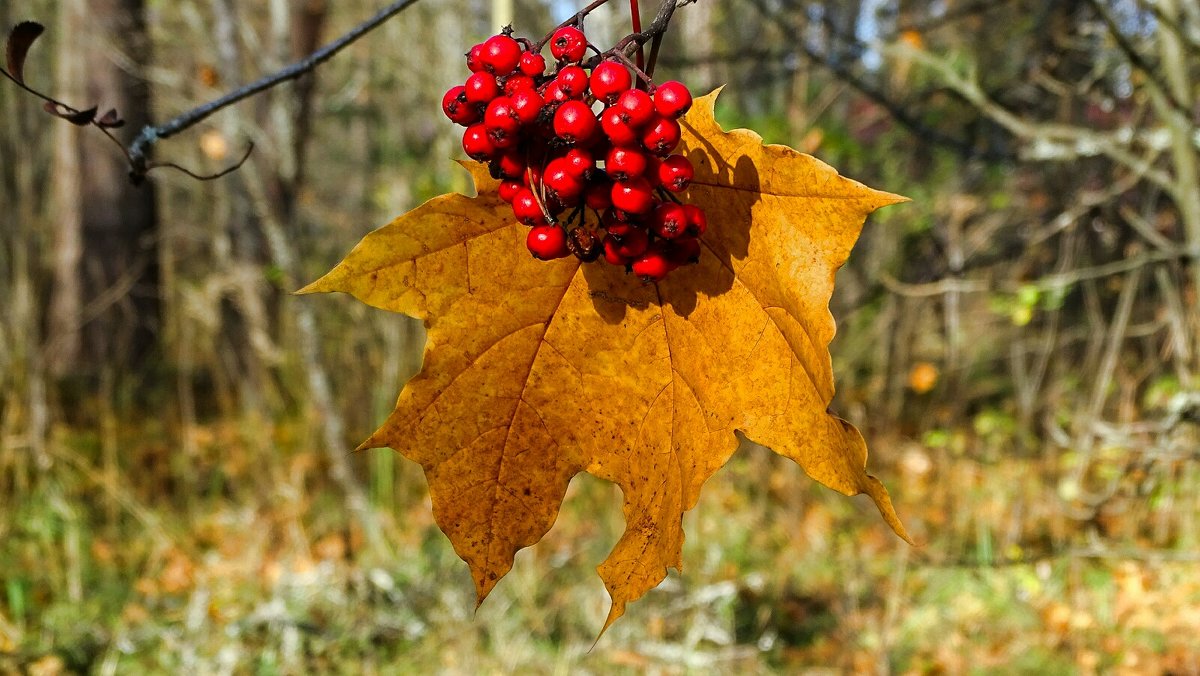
x=150, y=135
x=1055, y=142
x=890, y=105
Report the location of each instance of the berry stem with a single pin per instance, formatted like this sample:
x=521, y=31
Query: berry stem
x=636, y=14
x=646, y=80
x=539, y=195
x=576, y=215
x=653, y=58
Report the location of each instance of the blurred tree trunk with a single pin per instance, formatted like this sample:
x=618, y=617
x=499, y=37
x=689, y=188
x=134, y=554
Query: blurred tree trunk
x=246, y=344
x=274, y=188
x=1182, y=87
x=104, y=309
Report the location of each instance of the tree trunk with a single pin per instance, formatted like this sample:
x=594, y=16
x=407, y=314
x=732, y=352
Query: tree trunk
x=105, y=306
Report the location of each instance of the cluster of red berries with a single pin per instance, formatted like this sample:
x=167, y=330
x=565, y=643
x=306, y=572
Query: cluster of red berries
x=581, y=138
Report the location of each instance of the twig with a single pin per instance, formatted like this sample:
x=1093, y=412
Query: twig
x=1061, y=280
x=1087, y=201
x=938, y=288
x=657, y=27
x=1135, y=58
x=890, y=105
x=1144, y=227
x=150, y=135
x=1058, y=142
x=1066, y=279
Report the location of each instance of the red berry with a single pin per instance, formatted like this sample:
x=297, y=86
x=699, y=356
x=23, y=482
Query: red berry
x=554, y=205
x=509, y=189
x=598, y=194
x=620, y=229
x=609, y=79
x=633, y=243
x=697, y=222
x=568, y=44
x=515, y=83
x=477, y=144
x=636, y=107
x=510, y=164
x=622, y=164
x=532, y=64
x=672, y=99
x=579, y=161
x=501, y=55
x=562, y=182
x=661, y=137
x=617, y=222
x=652, y=266
x=574, y=122
x=475, y=59
x=525, y=208
x=669, y=220
x=526, y=104
x=547, y=242
x=501, y=117
x=554, y=93
x=574, y=81
x=635, y=196
x=502, y=139
x=612, y=252
x=455, y=106
x=675, y=173
x=481, y=88
x=617, y=128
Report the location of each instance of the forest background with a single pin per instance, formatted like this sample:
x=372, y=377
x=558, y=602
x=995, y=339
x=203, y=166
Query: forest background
x=1018, y=344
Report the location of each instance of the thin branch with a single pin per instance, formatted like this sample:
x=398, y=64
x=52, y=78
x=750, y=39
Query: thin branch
x=1060, y=280
x=205, y=177
x=1136, y=59
x=658, y=26
x=939, y=288
x=151, y=134
x=889, y=105
x=1047, y=141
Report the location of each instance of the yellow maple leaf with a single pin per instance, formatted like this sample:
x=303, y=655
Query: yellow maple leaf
x=535, y=371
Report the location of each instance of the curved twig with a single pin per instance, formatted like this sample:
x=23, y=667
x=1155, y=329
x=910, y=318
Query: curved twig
x=140, y=148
